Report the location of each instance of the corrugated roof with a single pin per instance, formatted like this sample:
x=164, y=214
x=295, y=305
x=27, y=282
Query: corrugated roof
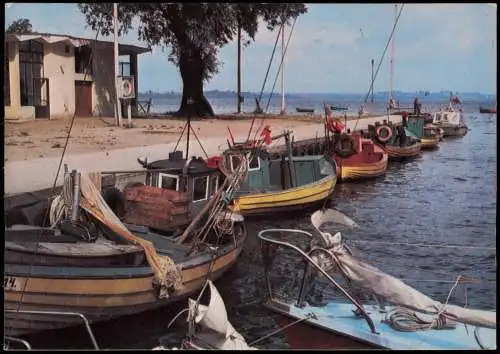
x=74, y=41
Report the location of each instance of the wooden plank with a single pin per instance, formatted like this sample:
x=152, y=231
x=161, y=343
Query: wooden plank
x=154, y=192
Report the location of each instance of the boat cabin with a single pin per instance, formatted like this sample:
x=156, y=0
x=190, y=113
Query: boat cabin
x=416, y=126
x=175, y=189
x=448, y=115
x=273, y=174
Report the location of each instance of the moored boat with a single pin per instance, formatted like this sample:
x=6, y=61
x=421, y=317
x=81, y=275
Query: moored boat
x=451, y=120
x=427, y=133
x=279, y=182
x=397, y=141
x=410, y=319
x=488, y=110
x=304, y=110
x=91, y=264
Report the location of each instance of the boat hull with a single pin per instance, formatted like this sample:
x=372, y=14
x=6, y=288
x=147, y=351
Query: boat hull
x=97, y=293
x=356, y=171
x=285, y=200
x=454, y=131
x=336, y=327
x=488, y=110
x=429, y=143
x=396, y=152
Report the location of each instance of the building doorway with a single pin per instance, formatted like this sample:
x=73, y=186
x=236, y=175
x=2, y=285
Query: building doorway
x=83, y=98
x=33, y=86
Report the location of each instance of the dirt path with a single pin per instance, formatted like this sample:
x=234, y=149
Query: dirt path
x=39, y=139
x=33, y=150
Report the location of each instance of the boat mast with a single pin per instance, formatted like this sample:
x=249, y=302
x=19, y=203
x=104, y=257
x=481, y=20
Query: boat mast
x=118, y=109
x=282, y=69
x=239, y=67
x=392, y=54
x=373, y=63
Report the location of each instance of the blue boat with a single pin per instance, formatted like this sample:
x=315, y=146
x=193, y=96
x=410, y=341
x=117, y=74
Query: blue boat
x=412, y=321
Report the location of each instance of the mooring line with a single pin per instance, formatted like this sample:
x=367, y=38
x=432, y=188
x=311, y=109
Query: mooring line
x=420, y=244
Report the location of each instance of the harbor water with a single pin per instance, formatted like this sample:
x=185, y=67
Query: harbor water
x=444, y=197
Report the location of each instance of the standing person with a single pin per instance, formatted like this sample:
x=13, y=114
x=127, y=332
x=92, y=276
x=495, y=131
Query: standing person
x=416, y=104
x=405, y=119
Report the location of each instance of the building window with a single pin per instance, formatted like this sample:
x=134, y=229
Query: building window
x=200, y=188
x=83, y=59
x=167, y=181
x=30, y=72
x=6, y=78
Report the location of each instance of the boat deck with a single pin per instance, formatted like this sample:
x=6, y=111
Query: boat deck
x=339, y=318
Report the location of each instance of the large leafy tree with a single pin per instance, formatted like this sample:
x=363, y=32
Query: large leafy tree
x=193, y=33
x=21, y=25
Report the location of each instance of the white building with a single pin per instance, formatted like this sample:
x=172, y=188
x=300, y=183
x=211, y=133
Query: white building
x=49, y=76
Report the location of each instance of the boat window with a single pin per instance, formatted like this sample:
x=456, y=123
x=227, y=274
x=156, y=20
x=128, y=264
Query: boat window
x=235, y=162
x=325, y=168
x=167, y=181
x=445, y=116
x=215, y=184
x=200, y=188
x=254, y=163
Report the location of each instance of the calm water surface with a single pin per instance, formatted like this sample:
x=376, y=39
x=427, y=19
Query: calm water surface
x=447, y=196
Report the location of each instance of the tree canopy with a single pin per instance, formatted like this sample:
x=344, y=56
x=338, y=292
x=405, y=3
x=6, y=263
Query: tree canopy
x=21, y=25
x=193, y=33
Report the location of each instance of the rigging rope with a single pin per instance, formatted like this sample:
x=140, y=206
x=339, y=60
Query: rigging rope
x=281, y=63
x=381, y=59
x=420, y=245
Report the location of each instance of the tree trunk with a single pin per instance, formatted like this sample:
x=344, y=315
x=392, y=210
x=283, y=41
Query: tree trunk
x=194, y=103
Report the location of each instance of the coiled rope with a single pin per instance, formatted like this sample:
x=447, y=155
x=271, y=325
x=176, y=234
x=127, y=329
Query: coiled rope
x=404, y=320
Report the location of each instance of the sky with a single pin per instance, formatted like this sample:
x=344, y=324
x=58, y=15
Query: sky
x=436, y=47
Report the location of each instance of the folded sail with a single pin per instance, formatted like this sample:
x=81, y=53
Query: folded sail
x=388, y=287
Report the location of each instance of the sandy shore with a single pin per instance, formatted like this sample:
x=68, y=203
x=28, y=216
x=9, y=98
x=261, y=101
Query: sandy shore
x=33, y=149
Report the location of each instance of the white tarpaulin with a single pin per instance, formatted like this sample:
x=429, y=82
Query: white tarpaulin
x=390, y=288
x=217, y=330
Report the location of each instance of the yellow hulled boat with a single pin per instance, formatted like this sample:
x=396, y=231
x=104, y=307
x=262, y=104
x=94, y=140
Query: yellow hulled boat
x=429, y=143
x=284, y=200
x=279, y=181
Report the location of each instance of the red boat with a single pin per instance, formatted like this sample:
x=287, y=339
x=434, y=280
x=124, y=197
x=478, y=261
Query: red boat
x=492, y=110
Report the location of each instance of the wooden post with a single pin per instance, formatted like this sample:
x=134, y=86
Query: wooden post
x=118, y=110
x=239, y=68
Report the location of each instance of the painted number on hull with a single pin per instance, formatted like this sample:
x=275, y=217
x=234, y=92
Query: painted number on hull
x=10, y=283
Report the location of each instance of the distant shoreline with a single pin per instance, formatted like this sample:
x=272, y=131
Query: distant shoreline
x=443, y=95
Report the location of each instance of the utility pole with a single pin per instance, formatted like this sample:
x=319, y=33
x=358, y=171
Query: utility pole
x=372, y=84
x=282, y=70
x=118, y=110
x=239, y=67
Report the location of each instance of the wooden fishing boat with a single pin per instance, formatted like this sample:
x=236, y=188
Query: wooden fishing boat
x=91, y=265
x=356, y=157
x=450, y=119
x=428, y=134
x=410, y=319
x=397, y=141
x=279, y=182
x=488, y=110
x=304, y=110
x=339, y=108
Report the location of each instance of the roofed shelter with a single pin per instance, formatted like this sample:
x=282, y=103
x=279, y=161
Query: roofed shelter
x=48, y=76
